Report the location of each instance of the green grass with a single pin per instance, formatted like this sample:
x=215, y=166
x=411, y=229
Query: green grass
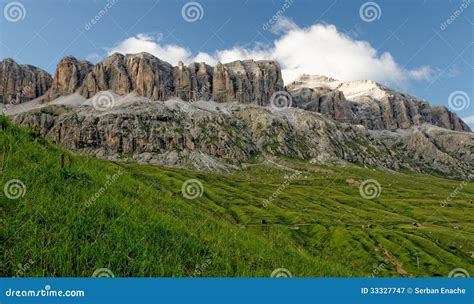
x=141, y=225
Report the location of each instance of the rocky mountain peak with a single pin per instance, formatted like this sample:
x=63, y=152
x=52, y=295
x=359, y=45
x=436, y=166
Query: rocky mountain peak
x=369, y=103
x=313, y=81
x=8, y=60
x=114, y=56
x=21, y=82
x=363, y=102
x=245, y=81
x=69, y=75
x=220, y=119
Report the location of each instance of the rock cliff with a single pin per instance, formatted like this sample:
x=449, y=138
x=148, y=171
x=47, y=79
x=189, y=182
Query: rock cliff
x=21, y=83
x=248, y=82
x=370, y=104
x=243, y=81
x=220, y=117
x=206, y=135
x=70, y=74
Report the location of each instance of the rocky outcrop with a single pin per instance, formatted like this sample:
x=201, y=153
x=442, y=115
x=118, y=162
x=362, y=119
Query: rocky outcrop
x=21, y=83
x=207, y=135
x=69, y=76
x=247, y=82
x=243, y=81
x=250, y=82
x=218, y=117
x=442, y=117
x=370, y=104
x=143, y=74
x=331, y=103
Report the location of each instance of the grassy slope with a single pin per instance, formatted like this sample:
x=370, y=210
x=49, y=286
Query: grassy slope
x=142, y=226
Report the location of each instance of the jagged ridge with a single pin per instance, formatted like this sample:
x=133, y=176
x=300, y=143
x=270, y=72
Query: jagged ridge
x=370, y=104
x=226, y=125
x=21, y=83
x=243, y=81
x=249, y=82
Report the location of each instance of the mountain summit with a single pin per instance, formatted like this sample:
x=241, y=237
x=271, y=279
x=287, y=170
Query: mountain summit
x=245, y=81
x=248, y=82
x=21, y=83
x=221, y=117
x=370, y=104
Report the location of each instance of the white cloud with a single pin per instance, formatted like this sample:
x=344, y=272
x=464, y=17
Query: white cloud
x=204, y=57
x=318, y=49
x=150, y=44
x=422, y=73
x=283, y=25
x=93, y=57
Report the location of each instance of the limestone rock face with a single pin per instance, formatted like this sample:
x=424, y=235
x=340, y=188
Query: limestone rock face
x=331, y=103
x=206, y=135
x=69, y=76
x=362, y=102
x=143, y=74
x=219, y=117
x=370, y=104
x=248, y=81
x=442, y=117
x=194, y=82
x=245, y=81
x=221, y=84
x=182, y=82
x=201, y=76
x=21, y=83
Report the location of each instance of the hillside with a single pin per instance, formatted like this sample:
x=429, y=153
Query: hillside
x=80, y=213
x=210, y=136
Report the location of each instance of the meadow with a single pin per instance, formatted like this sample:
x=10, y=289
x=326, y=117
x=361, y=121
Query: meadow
x=71, y=215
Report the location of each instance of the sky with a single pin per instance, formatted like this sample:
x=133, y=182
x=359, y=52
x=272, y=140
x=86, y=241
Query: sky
x=421, y=47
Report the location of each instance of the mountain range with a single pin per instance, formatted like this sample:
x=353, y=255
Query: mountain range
x=138, y=107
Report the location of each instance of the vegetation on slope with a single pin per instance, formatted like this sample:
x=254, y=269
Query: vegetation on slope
x=79, y=214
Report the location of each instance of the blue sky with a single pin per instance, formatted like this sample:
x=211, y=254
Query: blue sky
x=407, y=44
